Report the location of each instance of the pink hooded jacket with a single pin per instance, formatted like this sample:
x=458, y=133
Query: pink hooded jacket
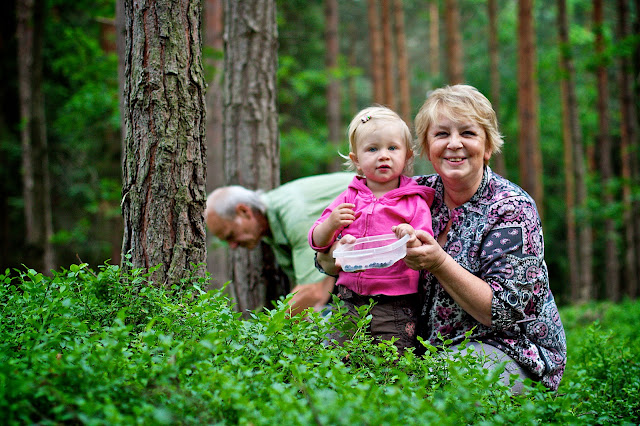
x=409, y=203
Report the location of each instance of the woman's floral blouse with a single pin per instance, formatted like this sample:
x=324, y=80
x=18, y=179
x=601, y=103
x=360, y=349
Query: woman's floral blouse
x=497, y=236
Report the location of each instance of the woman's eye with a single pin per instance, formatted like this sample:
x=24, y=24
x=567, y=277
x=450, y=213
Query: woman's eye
x=468, y=133
x=440, y=134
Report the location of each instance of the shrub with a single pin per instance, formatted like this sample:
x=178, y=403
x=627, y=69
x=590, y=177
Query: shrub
x=110, y=348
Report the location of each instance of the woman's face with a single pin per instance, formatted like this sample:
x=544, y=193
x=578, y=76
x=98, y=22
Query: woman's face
x=458, y=151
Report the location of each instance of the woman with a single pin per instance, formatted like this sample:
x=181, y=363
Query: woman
x=484, y=269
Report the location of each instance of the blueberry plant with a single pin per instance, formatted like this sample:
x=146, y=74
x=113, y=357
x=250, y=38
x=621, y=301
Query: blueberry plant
x=109, y=347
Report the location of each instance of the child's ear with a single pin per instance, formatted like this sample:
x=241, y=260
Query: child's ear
x=354, y=159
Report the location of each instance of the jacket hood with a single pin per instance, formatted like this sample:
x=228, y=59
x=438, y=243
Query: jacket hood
x=407, y=186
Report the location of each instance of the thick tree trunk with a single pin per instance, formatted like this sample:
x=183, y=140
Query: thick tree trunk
x=250, y=126
x=579, y=233
x=375, y=43
x=530, y=155
x=387, y=47
x=165, y=160
x=497, y=160
x=455, y=64
x=627, y=135
x=605, y=162
x=217, y=257
x=333, y=87
x=35, y=152
x=403, y=63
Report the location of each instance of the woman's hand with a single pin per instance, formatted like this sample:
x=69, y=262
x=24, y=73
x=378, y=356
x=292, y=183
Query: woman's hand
x=429, y=255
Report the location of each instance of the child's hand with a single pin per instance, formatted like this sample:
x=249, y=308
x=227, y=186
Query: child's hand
x=406, y=229
x=342, y=216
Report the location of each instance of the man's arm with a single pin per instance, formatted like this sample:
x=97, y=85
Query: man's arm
x=315, y=295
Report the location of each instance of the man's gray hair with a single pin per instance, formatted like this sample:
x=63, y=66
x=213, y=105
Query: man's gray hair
x=225, y=199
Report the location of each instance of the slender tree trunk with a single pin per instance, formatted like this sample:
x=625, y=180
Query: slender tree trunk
x=252, y=149
x=375, y=43
x=605, y=158
x=455, y=64
x=165, y=160
x=35, y=152
x=403, y=63
x=387, y=47
x=333, y=88
x=217, y=257
x=353, y=61
x=494, y=73
x=579, y=248
x=635, y=160
x=434, y=39
x=627, y=135
x=530, y=155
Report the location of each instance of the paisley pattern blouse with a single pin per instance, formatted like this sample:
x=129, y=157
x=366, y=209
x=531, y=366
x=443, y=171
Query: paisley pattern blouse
x=497, y=236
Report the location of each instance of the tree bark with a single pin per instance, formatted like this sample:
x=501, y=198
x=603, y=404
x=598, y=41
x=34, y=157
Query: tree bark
x=217, y=257
x=403, y=63
x=165, y=160
x=530, y=155
x=434, y=39
x=375, y=43
x=35, y=151
x=497, y=160
x=387, y=47
x=333, y=87
x=627, y=135
x=455, y=64
x=605, y=157
x=579, y=242
x=250, y=126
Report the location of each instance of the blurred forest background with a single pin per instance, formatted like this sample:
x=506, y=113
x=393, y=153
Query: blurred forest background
x=588, y=167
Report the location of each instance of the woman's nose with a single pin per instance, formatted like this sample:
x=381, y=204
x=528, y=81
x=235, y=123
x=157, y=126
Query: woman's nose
x=454, y=142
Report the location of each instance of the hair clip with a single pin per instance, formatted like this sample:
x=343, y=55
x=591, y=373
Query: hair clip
x=365, y=118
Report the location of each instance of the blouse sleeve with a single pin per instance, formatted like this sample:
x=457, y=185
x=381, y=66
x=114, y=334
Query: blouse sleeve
x=512, y=256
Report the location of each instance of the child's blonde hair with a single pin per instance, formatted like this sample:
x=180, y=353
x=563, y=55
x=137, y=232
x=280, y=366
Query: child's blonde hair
x=368, y=120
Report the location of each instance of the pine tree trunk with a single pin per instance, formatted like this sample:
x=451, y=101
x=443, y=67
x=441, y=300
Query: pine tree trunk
x=403, y=63
x=333, y=88
x=217, y=257
x=165, y=160
x=434, y=39
x=627, y=135
x=579, y=252
x=252, y=150
x=387, y=48
x=497, y=160
x=375, y=43
x=455, y=65
x=530, y=155
x=604, y=145
x=35, y=152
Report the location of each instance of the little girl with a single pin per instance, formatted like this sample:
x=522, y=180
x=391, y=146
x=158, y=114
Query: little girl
x=380, y=200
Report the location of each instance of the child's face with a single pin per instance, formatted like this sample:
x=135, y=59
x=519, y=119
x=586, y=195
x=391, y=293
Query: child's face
x=381, y=155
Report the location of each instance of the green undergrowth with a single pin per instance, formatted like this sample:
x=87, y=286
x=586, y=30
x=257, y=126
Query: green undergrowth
x=107, y=347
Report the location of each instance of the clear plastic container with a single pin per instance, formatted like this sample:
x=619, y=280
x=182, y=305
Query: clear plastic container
x=379, y=251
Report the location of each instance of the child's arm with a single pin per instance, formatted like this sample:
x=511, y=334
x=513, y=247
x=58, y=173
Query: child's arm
x=325, y=233
x=406, y=229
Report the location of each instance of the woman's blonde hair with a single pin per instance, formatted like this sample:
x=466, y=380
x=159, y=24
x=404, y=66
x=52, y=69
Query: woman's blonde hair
x=459, y=102
x=367, y=121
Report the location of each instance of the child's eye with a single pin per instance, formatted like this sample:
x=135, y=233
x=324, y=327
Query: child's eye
x=372, y=149
x=393, y=148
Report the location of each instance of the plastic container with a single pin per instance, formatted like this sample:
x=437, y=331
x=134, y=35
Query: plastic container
x=379, y=251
